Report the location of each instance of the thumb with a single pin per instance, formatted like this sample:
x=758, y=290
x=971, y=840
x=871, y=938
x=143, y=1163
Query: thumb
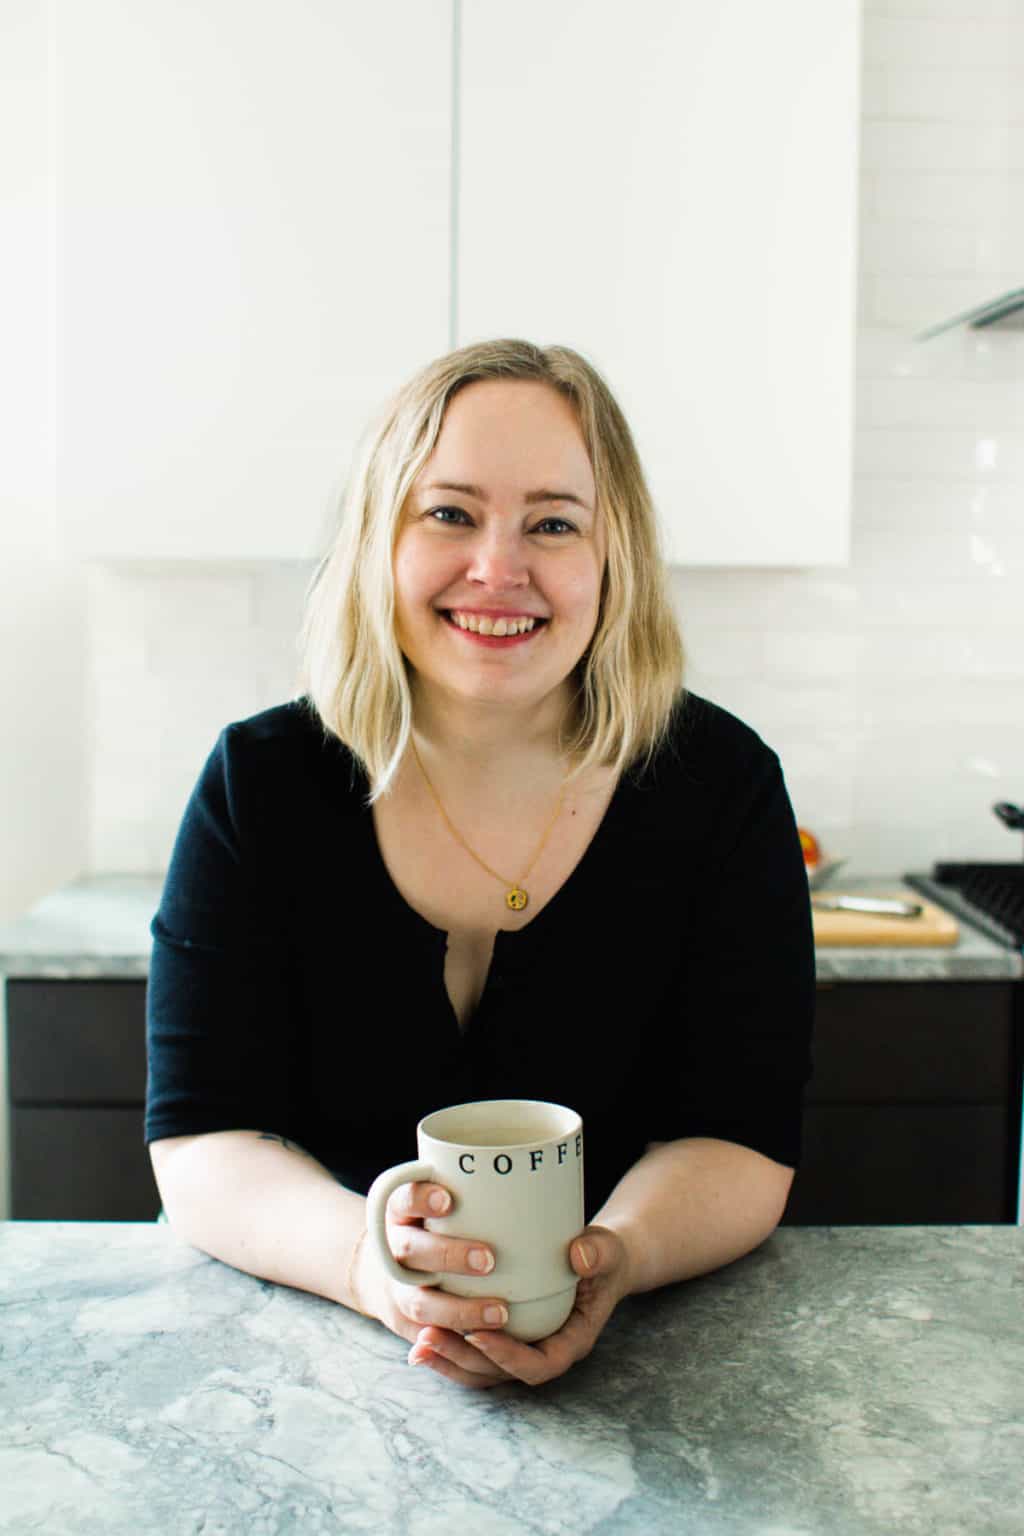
x=594, y=1252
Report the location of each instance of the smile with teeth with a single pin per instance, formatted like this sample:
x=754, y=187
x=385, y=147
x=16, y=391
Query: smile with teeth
x=481, y=624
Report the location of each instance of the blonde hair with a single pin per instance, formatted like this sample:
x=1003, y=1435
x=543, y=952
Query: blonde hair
x=352, y=669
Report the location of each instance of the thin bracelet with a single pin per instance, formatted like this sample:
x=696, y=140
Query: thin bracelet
x=349, y=1282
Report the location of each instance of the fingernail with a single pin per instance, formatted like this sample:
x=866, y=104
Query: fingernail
x=481, y=1260
x=588, y=1254
x=439, y=1201
x=496, y=1315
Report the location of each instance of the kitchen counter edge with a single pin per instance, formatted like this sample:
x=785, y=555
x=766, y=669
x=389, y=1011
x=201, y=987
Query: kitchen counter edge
x=97, y=928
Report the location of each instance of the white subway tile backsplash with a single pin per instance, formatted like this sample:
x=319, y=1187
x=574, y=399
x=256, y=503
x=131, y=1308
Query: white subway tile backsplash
x=935, y=505
x=986, y=406
x=278, y=597
x=217, y=600
x=983, y=202
x=774, y=653
x=939, y=94
x=976, y=454
x=915, y=304
x=763, y=600
x=964, y=352
x=121, y=844
x=988, y=145
x=933, y=249
x=891, y=702
x=961, y=46
x=900, y=656
x=944, y=10
x=201, y=648
x=776, y=708
x=900, y=595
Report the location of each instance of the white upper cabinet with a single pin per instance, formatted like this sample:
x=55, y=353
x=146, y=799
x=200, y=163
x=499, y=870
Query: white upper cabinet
x=252, y=251
x=670, y=188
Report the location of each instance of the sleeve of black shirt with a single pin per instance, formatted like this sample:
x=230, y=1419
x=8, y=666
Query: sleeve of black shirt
x=739, y=1031
x=217, y=1002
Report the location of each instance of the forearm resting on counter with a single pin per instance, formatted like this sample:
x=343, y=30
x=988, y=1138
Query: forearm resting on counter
x=262, y=1205
x=688, y=1207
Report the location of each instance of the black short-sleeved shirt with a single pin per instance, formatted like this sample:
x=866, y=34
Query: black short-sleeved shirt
x=666, y=990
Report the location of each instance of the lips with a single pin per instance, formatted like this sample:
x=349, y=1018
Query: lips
x=512, y=628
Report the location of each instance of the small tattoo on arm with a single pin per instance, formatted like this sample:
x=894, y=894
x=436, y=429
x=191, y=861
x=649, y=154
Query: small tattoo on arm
x=291, y=1146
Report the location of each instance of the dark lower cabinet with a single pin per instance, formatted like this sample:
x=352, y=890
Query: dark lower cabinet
x=76, y=1076
x=81, y=1164
x=913, y=1113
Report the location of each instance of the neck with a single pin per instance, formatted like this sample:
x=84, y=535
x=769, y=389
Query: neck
x=482, y=739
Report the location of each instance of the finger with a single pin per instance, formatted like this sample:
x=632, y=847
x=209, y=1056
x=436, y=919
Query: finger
x=529, y=1363
x=430, y=1307
x=443, y=1367
x=415, y=1202
x=551, y=1357
x=597, y=1251
x=433, y=1343
x=439, y=1252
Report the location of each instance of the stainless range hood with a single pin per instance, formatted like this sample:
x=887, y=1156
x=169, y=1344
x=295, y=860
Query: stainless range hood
x=1006, y=311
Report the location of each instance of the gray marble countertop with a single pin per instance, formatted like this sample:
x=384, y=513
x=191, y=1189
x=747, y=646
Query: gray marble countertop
x=99, y=927
x=836, y=1382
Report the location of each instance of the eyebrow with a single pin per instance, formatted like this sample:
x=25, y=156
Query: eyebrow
x=530, y=498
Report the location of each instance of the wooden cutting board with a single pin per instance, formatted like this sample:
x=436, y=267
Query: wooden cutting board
x=934, y=927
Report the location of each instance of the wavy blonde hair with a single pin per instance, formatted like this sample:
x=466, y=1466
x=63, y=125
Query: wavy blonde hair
x=352, y=669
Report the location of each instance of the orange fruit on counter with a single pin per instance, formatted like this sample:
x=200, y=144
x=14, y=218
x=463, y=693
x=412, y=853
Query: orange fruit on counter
x=810, y=845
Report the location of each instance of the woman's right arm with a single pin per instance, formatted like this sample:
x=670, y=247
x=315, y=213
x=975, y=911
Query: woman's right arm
x=264, y=1205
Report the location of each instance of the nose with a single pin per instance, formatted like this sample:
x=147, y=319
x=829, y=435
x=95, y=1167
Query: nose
x=499, y=560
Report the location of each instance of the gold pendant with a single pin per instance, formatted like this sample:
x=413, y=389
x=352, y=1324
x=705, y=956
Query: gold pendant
x=516, y=899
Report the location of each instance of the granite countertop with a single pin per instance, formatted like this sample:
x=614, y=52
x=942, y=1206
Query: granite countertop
x=99, y=927
x=836, y=1382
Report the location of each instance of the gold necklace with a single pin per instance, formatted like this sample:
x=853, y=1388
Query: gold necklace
x=516, y=897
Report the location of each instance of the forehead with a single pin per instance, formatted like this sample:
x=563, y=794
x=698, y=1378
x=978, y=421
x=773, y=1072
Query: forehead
x=511, y=436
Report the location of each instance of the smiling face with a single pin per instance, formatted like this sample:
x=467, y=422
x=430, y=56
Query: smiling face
x=500, y=526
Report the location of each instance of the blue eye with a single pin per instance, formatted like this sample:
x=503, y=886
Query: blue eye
x=561, y=520
x=434, y=511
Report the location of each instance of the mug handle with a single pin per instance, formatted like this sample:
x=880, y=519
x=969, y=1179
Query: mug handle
x=377, y=1197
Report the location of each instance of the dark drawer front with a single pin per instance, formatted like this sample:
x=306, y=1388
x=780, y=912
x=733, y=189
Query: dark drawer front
x=903, y=1165
x=80, y=1165
x=922, y=1042
x=76, y=1042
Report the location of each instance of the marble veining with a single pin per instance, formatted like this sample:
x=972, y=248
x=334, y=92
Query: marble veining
x=837, y=1382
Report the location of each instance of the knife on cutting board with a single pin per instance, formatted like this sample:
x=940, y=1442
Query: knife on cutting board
x=876, y=905
x=886, y=920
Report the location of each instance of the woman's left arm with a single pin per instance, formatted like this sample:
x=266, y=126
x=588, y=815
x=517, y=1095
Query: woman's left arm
x=686, y=1207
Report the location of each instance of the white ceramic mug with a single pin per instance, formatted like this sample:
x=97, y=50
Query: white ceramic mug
x=514, y=1169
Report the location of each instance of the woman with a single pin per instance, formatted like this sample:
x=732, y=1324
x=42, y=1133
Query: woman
x=493, y=850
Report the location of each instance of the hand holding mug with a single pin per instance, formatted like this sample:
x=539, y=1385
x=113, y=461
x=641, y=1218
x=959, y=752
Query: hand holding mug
x=405, y=1304
x=514, y=1170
